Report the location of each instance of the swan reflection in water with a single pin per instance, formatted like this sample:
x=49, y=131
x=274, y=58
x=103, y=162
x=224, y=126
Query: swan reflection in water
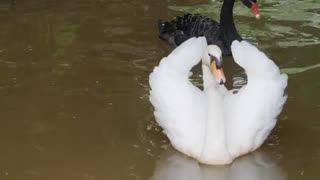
x=259, y=165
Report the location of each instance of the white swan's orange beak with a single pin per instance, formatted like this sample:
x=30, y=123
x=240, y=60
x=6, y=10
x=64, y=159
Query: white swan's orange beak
x=218, y=73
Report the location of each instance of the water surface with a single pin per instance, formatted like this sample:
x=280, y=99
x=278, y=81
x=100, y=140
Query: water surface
x=74, y=90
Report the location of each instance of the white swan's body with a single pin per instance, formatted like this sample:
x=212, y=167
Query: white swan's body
x=215, y=126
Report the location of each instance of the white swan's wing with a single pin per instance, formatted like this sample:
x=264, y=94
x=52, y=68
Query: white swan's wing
x=179, y=105
x=251, y=113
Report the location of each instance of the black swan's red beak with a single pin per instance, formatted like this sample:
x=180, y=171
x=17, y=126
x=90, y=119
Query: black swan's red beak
x=255, y=9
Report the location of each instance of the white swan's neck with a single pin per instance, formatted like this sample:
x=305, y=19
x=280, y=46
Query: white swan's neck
x=208, y=78
x=216, y=149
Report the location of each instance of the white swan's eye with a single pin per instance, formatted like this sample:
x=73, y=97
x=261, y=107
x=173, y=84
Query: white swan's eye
x=211, y=56
x=218, y=61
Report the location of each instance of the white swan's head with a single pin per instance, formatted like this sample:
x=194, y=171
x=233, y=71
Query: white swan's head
x=212, y=58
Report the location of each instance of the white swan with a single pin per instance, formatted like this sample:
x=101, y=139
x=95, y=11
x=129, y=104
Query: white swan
x=215, y=126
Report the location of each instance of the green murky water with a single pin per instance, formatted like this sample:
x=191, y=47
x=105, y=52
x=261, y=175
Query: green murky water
x=74, y=90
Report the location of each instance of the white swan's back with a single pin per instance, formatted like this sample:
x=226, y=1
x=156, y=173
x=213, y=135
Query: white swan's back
x=177, y=102
x=252, y=113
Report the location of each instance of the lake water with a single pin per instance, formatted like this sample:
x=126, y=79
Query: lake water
x=74, y=90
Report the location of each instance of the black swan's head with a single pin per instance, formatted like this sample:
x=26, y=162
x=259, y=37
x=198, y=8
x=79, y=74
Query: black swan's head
x=166, y=29
x=253, y=5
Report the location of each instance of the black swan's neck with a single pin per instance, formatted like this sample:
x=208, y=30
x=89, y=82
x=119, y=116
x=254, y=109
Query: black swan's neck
x=228, y=30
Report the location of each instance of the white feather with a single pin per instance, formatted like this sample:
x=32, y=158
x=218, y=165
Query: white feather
x=215, y=126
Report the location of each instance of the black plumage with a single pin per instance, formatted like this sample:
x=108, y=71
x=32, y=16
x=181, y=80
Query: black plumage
x=194, y=25
x=189, y=25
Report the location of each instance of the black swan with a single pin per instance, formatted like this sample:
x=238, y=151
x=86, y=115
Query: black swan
x=194, y=25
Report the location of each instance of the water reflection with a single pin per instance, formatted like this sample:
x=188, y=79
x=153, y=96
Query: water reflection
x=259, y=165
